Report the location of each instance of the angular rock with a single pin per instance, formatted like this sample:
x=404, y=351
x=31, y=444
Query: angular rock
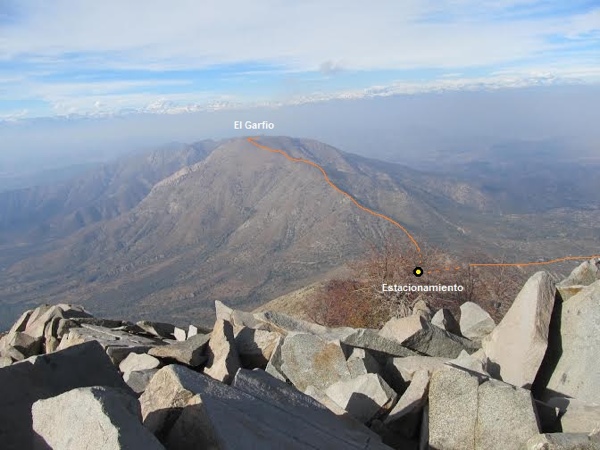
x=576, y=372
x=118, y=344
x=255, y=347
x=477, y=362
x=585, y=274
x=158, y=329
x=222, y=311
x=421, y=308
x=21, y=322
x=444, y=319
x=419, y=335
x=274, y=365
x=180, y=334
x=405, y=368
x=280, y=394
x=223, y=359
x=25, y=344
x=189, y=410
x=138, y=361
x=365, y=397
x=452, y=409
x=371, y=340
x=475, y=322
x=92, y=417
x=138, y=380
x=516, y=347
x=472, y=412
x=192, y=331
x=309, y=360
x=47, y=376
x=405, y=417
x=190, y=352
x=5, y=361
x=505, y=416
x=561, y=441
x=42, y=316
x=566, y=292
x=360, y=362
x=576, y=416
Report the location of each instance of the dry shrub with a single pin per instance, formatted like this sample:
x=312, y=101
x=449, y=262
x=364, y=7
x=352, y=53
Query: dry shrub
x=359, y=301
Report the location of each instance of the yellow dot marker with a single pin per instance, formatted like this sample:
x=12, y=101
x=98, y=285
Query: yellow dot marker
x=418, y=271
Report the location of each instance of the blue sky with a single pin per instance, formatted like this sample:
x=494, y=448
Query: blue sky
x=115, y=57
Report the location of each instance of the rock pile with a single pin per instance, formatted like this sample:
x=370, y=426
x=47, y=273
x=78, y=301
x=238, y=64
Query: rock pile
x=69, y=380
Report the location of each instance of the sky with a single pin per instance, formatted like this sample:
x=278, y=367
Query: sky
x=114, y=58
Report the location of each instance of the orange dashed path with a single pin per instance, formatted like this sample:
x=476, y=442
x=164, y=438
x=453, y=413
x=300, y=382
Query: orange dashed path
x=403, y=229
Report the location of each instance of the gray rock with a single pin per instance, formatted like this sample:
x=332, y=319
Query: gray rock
x=42, y=316
x=21, y=322
x=255, y=347
x=444, y=319
x=223, y=359
x=92, y=417
x=274, y=365
x=475, y=322
x=452, y=410
x=566, y=292
x=190, y=351
x=405, y=368
x=419, y=335
x=310, y=360
x=282, y=395
x=576, y=372
x=405, y=417
x=25, y=344
x=180, y=334
x=45, y=376
x=576, y=416
x=472, y=412
x=561, y=441
x=192, y=331
x=138, y=361
x=505, y=416
x=190, y=410
x=374, y=342
x=158, y=329
x=360, y=362
x=5, y=361
x=138, y=380
x=421, y=308
x=516, y=347
x=118, y=344
x=365, y=397
x=585, y=274
x=476, y=362
x=222, y=311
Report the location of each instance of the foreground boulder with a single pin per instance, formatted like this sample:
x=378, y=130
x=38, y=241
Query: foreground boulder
x=475, y=322
x=92, y=417
x=308, y=360
x=469, y=412
x=445, y=320
x=516, y=347
x=223, y=359
x=188, y=410
x=576, y=372
x=41, y=377
x=405, y=418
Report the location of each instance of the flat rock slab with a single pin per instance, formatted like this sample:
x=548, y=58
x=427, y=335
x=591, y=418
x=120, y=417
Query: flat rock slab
x=309, y=360
x=576, y=416
x=191, y=410
x=92, y=418
x=468, y=412
x=138, y=380
x=365, y=397
x=376, y=343
x=516, y=347
x=138, y=361
x=190, y=352
x=561, y=441
x=41, y=377
x=577, y=372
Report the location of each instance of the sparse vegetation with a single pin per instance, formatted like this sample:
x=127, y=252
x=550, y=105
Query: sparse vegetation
x=358, y=300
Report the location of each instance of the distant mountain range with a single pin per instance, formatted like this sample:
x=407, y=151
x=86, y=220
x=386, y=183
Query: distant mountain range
x=163, y=234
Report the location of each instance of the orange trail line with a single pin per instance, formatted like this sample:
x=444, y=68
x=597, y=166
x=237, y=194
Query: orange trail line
x=396, y=224
x=328, y=180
